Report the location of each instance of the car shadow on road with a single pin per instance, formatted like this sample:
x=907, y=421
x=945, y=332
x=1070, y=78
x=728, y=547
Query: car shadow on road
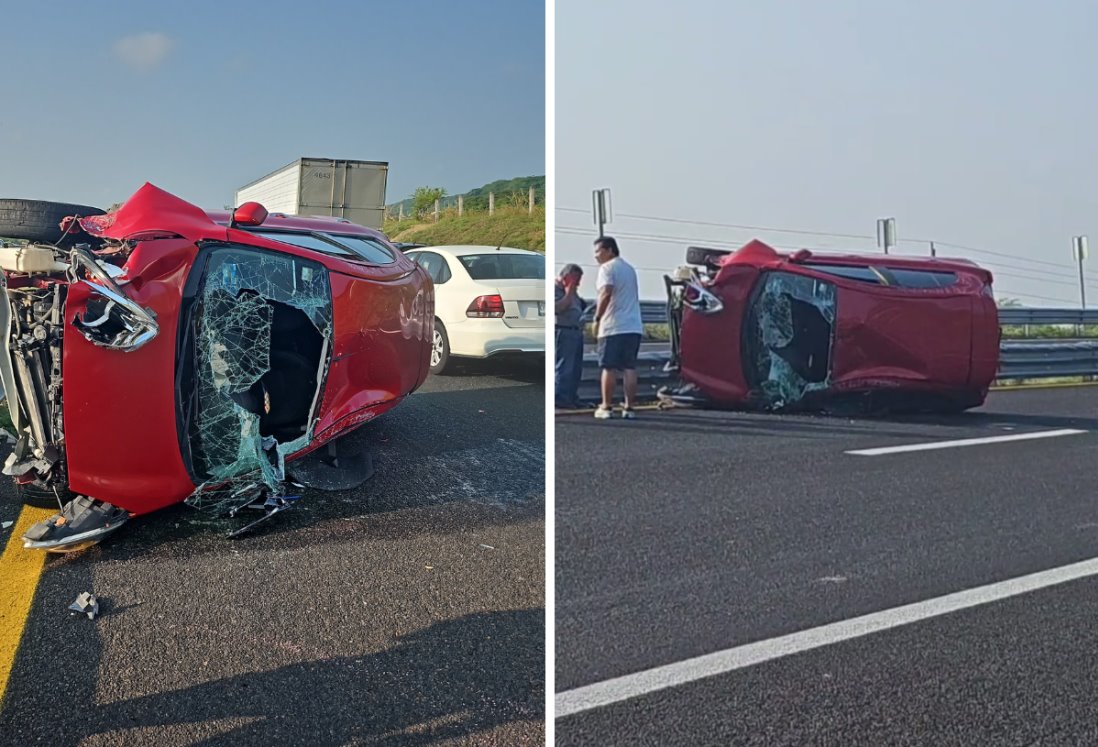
x=452, y=680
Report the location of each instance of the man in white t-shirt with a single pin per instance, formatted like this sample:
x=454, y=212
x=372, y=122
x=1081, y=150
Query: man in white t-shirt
x=618, y=326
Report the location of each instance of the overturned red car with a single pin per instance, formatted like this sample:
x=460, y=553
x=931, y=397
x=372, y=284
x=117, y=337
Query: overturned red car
x=760, y=329
x=163, y=353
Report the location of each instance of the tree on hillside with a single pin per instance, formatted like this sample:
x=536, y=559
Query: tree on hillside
x=423, y=199
x=1008, y=303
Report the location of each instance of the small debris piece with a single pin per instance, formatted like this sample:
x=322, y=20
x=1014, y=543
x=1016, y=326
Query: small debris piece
x=6, y=524
x=488, y=547
x=86, y=603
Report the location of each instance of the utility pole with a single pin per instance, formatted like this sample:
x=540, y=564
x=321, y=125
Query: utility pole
x=600, y=200
x=1079, y=250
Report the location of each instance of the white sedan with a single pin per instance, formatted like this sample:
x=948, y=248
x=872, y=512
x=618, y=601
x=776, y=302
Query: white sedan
x=488, y=301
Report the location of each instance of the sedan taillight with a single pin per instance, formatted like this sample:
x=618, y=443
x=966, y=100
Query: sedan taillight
x=485, y=306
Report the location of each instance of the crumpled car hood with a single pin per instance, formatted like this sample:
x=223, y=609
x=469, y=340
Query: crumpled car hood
x=153, y=213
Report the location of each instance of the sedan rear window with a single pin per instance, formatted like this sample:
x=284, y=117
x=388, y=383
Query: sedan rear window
x=504, y=266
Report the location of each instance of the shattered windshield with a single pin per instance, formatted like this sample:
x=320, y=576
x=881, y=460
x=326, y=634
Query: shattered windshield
x=787, y=338
x=261, y=325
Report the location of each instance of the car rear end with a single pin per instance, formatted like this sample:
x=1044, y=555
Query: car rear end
x=506, y=311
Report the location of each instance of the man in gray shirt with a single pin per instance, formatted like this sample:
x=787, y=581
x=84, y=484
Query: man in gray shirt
x=569, y=309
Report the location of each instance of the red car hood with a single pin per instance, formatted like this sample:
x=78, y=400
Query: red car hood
x=153, y=213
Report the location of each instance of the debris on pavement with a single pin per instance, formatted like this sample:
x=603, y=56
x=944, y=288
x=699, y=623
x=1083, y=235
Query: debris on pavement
x=86, y=603
x=487, y=547
x=6, y=524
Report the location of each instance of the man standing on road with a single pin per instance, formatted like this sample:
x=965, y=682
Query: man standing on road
x=569, y=336
x=618, y=326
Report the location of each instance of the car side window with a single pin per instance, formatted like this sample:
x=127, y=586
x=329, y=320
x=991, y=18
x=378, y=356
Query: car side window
x=434, y=264
x=443, y=273
x=922, y=278
x=851, y=272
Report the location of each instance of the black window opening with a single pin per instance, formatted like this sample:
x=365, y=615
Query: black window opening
x=889, y=276
x=340, y=245
x=504, y=266
x=922, y=278
x=852, y=272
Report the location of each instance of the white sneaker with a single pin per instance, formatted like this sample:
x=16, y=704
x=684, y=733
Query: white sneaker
x=603, y=413
x=628, y=413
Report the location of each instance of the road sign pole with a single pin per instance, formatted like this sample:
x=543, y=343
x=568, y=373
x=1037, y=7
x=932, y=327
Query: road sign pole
x=599, y=201
x=1079, y=249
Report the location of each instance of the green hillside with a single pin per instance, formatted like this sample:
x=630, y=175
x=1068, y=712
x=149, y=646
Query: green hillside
x=506, y=191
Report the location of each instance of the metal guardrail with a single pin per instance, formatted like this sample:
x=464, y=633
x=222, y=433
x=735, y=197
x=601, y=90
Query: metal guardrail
x=655, y=312
x=1019, y=317
x=1018, y=359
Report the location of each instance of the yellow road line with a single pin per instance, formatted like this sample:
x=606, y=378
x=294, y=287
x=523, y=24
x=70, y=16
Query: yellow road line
x=19, y=573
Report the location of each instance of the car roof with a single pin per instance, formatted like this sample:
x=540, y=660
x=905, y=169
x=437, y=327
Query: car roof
x=302, y=223
x=758, y=253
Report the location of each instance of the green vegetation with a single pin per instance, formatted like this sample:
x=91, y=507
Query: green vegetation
x=1049, y=331
x=511, y=223
x=507, y=192
x=423, y=200
x=510, y=226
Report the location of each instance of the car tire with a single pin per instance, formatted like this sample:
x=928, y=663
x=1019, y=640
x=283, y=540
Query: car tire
x=440, y=349
x=39, y=497
x=699, y=255
x=38, y=220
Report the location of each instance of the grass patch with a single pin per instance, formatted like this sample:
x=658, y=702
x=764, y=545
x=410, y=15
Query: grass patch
x=509, y=226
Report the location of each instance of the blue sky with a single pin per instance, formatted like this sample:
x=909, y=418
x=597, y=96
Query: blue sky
x=204, y=97
x=971, y=122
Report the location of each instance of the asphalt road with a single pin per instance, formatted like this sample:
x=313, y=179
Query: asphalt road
x=685, y=533
x=408, y=611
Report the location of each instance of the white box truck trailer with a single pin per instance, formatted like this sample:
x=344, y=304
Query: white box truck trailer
x=354, y=190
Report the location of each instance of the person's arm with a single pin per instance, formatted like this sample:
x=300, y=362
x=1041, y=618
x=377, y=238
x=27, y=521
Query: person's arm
x=566, y=300
x=606, y=291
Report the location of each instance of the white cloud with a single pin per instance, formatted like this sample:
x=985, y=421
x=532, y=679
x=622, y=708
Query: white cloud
x=143, y=51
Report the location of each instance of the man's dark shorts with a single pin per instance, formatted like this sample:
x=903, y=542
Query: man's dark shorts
x=619, y=352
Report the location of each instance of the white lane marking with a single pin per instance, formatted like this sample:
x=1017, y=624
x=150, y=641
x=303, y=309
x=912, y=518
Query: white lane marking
x=965, y=442
x=629, y=686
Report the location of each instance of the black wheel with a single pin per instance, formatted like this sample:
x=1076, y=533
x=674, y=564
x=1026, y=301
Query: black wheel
x=38, y=220
x=700, y=255
x=40, y=497
x=440, y=349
